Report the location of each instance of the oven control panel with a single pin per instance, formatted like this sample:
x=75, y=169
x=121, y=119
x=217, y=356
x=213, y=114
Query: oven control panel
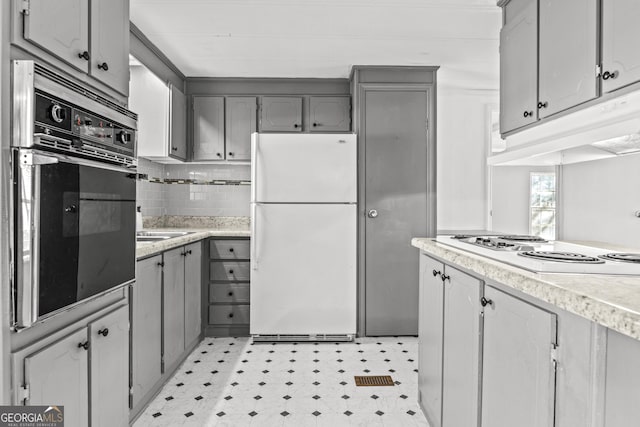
x=67, y=124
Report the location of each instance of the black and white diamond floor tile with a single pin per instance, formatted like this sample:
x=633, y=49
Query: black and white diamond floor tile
x=233, y=382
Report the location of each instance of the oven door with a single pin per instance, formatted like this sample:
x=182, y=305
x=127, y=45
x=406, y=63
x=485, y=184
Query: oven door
x=75, y=231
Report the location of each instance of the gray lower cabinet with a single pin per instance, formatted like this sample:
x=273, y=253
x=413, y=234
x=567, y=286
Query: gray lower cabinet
x=172, y=307
x=518, y=369
x=281, y=114
x=449, y=349
x=622, y=397
x=146, y=329
x=192, y=293
x=229, y=287
x=329, y=114
x=86, y=371
x=620, y=53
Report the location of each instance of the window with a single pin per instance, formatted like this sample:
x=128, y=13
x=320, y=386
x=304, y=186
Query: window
x=542, y=205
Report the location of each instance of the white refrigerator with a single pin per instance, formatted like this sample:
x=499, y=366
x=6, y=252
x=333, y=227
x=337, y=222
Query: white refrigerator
x=304, y=237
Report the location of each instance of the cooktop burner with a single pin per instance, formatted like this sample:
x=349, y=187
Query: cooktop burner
x=622, y=257
x=561, y=257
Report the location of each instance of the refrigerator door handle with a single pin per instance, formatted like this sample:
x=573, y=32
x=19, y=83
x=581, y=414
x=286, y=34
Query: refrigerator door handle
x=254, y=167
x=254, y=237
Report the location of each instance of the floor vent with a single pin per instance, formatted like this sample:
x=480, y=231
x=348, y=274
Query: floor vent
x=374, y=380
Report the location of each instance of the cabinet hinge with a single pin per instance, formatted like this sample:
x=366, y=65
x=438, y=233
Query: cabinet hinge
x=598, y=70
x=24, y=393
x=554, y=355
x=26, y=6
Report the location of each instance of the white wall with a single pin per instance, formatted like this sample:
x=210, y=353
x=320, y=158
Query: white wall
x=599, y=199
x=510, y=197
x=462, y=141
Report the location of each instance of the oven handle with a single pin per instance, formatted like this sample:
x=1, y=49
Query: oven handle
x=30, y=157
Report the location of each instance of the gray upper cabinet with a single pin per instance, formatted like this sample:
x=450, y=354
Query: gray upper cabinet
x=567, y=67
x=58, y=374
x=329, y=114
x=281, y=114
x=518, y=368
x=178, y=124
x=518, y=65
x=241, y=116
x=620, y=35
x=109, y=39
x=146, y=328
x=109, y=337
x=91, y=36
x=61, y=28
x=208, y=131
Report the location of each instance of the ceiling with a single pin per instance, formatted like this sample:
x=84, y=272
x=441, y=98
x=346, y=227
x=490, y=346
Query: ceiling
x=324, y=38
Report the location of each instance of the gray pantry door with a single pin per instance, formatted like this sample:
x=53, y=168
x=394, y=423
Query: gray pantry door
x=395, y=208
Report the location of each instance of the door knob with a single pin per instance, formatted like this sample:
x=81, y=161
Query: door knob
x=372, y=213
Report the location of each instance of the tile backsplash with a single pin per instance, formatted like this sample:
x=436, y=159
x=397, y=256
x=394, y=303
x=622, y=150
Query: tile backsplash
x=158, y=199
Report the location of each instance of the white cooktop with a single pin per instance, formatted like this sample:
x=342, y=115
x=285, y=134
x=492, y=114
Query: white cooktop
x=542, y=266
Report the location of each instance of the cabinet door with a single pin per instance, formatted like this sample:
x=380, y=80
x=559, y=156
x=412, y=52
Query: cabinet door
x=61, y=27
x=109, y=337
x=173, y=307
x=208, y=132
x=58, y=375
x=281, y=114
x=518, y=376
x=518, y=66
x=178, y=123
x=622, y=403
x=240, y=124
x=110, y=43
x=567, y=73
x=461, y=351
x=329, y=114
x=431, y=298
x=146, y=327
x=620, y=35
x=192, y=293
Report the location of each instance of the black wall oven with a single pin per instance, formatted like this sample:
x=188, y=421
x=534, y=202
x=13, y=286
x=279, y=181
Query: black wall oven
x=74, y=191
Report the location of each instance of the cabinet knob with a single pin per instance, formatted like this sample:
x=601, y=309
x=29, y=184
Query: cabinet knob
x=218, y=154
x=316, y=124
x=542, y=105
x=104, y=66
x=230, y=294
x=436, y=273
x=484, y=302
x=230, y=249
x=84, y=55
x=230, y=271
x=608, y=75
x=161, y=264
x=527, y=114
x=71, y=209
x=104, y=332
x=189, y=252
x=174, y=148
x=230, y=315
x=295, y=125
x=230, y=153
x=84, y=345
x=445, y=278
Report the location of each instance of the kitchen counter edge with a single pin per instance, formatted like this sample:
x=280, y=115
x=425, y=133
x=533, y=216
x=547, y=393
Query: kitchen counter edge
x=148, y=249
x=611, y=301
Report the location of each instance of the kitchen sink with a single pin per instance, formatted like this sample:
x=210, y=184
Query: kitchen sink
x=156, y=236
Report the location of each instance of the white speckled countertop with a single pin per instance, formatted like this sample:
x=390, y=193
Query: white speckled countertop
x=612, y=301
x=146, y=249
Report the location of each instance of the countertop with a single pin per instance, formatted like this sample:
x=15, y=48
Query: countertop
x=612, y=301
x=146, y=249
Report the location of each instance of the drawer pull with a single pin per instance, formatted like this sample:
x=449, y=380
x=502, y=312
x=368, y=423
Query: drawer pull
x=230, y=249
x=84, y=345
x=230, y=271
x=230, y=315
x=104, y=332
x=230, y=294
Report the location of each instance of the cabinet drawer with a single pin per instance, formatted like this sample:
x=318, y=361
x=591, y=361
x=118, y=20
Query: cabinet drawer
x=228, y=314
x=237, y=271
x=229, y=249
x=229, y=292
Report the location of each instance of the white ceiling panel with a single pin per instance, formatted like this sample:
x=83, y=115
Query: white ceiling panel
x=324, y=38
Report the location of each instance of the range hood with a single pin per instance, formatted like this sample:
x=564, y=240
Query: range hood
x=608, y=129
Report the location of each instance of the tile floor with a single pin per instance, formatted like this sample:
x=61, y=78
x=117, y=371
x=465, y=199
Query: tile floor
x=234, y=382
